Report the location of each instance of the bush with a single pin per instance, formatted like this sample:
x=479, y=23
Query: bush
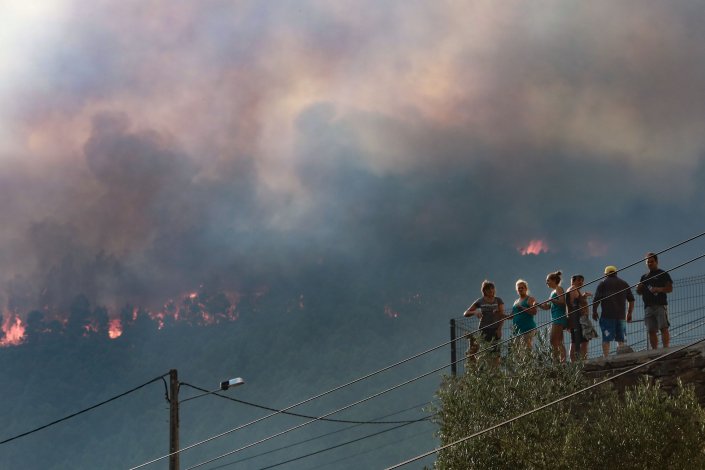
x=645, y=428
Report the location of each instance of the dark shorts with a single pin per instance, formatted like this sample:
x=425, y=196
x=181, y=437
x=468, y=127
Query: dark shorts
x=576, y=335
x=490, y=334
x=656, y=317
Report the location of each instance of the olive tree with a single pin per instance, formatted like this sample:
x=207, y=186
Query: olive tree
x=642, y=428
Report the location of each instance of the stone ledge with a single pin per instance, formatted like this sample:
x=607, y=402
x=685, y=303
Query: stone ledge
x=687, y=365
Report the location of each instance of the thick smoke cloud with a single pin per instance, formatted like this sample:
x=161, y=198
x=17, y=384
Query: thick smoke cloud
x=157, y=147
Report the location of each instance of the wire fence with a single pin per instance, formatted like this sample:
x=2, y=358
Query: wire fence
x=686, y=313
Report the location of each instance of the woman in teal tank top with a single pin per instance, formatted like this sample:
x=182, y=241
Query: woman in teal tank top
x=523, y=313
x=556, y=303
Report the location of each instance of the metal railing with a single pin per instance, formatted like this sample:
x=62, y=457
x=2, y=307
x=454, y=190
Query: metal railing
x=686, y=313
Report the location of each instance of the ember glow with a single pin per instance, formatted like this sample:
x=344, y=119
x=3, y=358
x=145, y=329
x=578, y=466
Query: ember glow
x=597, y=248
x=114, y=328
x=13, y=329
x=89, y=320
x=535, y=247
x=390, y=312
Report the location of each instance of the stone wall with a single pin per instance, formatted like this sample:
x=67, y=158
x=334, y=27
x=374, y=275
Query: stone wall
x=688, y=365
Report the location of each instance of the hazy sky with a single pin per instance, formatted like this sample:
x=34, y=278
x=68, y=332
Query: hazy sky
x=147, y=147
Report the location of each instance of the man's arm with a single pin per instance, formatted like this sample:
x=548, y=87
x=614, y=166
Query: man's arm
x=630, y=309
x=596, y=301
x=667, y=289
x=641, y=287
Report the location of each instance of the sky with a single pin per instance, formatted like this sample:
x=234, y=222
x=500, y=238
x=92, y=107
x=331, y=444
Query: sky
x=149, y=148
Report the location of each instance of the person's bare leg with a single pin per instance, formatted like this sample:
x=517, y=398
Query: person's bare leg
x=557, y=342
x=562, y=352
x=653, y=339
x=665, y=337
x=572, y=352
x=605, y=349
x=583, y=350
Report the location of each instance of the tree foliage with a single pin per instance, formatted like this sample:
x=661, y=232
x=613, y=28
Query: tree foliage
x=642, y=428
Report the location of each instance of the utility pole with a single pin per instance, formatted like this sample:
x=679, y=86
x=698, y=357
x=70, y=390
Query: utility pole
x=173, y=419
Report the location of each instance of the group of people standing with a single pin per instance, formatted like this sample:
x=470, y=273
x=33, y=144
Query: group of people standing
x=569, y=310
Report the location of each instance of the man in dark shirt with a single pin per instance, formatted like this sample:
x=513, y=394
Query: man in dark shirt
x=614, y=294
x=653, y=288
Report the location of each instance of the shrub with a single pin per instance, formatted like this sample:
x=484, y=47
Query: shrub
x=645, y=428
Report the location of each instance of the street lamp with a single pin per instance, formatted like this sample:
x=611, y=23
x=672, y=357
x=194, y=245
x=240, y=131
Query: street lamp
x=232, y=383
x=174, y=412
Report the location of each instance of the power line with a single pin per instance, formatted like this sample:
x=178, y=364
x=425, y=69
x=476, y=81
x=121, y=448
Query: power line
x=339, y=387
x=542, y=407
x=492, y=346
x=317, y=437
x=287, y=412
x=345, y=443
x=83, y=411
x=328, y=464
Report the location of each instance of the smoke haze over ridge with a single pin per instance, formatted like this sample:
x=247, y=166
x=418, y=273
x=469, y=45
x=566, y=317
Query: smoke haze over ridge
x=182, y=141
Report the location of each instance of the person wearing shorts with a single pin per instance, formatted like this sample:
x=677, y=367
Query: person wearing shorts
x=524, y=313
x=653, y=287
x=576, y=303
x=559, y=323
x=616, y=298
x=490, y=310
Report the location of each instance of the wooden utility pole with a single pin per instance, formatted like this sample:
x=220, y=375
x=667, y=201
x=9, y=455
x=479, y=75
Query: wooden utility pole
x=173, y=419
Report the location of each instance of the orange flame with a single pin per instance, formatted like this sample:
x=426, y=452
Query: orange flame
x=114, y=328
x=191, y=307
x=535, y=247
x=14, y=331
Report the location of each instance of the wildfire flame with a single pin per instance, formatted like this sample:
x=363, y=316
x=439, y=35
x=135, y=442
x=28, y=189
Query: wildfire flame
x=13, y=330
x=114, y=328
x=535, y=247
x=197, y=308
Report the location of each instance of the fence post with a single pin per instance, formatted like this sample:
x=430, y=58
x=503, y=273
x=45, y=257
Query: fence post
x=453, y=355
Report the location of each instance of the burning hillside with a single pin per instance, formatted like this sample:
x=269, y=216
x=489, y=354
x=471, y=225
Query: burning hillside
x=82, y=320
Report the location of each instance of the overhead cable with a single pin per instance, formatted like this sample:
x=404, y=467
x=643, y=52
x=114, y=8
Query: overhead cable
x=316, y=437
x=290, y=413
x=345, y=443
x=83, y=411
